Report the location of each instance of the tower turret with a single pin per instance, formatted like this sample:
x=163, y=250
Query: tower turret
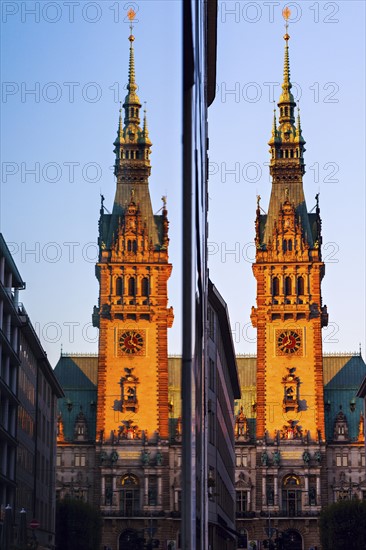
x=289, y=313
x=133, y=271
x=287, y=165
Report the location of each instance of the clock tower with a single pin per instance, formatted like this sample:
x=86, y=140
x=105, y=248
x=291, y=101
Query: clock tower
x=288, y=268
x=133, y=272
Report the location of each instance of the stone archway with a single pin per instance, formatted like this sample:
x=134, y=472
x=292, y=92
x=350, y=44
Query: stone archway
x=293, y=540
x=130, y=540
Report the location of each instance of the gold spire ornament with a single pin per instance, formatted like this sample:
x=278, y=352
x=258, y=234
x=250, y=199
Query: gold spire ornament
x=132, y=102
x=286, y=96
x=131, y=14
x=286, y=12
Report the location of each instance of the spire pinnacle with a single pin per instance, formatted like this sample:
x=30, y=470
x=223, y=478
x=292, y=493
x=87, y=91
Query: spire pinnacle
x=120, y=138
x=120, y=124
x=131, y=86
x=132, y=102
x=145, y=130
x=286, y=96
x=286, y=102
x=298, y=125
x=274, y=126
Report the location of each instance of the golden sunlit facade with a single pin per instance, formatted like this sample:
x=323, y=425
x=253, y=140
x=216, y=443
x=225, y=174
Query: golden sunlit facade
x=289, y=315
x=133, y=271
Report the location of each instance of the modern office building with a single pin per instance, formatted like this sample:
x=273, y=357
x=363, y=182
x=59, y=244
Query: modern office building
x=38, y=394
x=10, y=323
x=29, y=394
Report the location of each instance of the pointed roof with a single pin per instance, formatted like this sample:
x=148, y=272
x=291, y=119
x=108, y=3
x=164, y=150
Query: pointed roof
x=132, y=97
x=286, y=96
x=287, y=166
x=132, y=143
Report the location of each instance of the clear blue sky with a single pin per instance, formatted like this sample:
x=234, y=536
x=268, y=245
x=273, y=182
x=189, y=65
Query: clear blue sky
x=78, y=63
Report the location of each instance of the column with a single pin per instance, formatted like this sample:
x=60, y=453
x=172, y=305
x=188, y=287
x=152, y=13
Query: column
x=160, y=490
x=146, y=490
x=114, y=488
x=306, y=490
x=275, y=490
x=103, y=490
x=318, y=491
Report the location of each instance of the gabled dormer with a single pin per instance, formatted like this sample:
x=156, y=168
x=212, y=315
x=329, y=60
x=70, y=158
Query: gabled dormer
x=340, y=426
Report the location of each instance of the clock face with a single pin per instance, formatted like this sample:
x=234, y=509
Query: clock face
x=288, y=341
x=131, y=341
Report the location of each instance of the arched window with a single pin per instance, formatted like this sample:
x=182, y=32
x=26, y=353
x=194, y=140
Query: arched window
x=131, y=286
x=275, y=286
x=288, y=286
x=300, y=285
x=291, y=495
x=119, y=286
x=145, y=291
x=130, y=495
x=286, y=111
x=289, y=244
x=284, y=245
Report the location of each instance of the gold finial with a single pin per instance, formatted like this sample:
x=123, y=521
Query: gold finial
x=286, y=96
x=286, y=13
x=258, y=200
x=131, y=14
x=131, y=86
x=163, y=198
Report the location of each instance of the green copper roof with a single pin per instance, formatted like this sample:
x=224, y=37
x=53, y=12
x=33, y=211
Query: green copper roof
x=77, y=375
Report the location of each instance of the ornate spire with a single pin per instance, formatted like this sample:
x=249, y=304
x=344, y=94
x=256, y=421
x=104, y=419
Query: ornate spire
x=132, y=102
x=286, y=142
x=119, y=139
x=286, y=101
x=131, y=86
x=286, y=85
x=274, y=126
x=298, y=127
x=145, y=130
x=132, y=166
